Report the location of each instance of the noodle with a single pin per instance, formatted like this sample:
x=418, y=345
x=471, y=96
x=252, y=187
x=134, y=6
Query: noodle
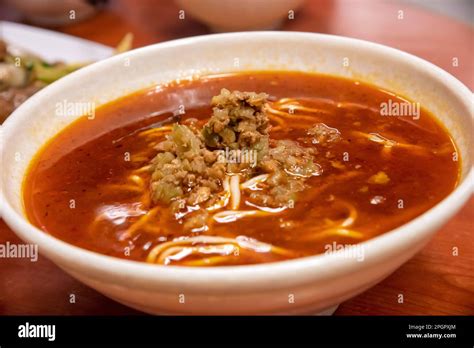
x=124, y=187
x=350, y=105
x=137, y=180
x=349, y=221
x=142, y=221
x=137, y=185
x=252, y=183
x=333, y=231
x=177, y=253
x=181, y=248
x=233, y=215
x=344, y=232
x=268, y=209
x=144, y=169
x=235, y=192
x=387, y=143
x=155, y=131
x=326, y=102
x=224, y=196
x=338, y=228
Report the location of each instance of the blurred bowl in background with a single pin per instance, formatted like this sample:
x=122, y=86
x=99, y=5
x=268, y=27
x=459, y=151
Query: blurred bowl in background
x=53, y=12
x=241, y=15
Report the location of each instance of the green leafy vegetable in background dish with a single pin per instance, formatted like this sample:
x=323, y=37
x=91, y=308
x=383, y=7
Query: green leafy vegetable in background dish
x=23, y=74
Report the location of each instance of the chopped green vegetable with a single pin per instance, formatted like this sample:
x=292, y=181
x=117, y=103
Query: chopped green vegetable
x=185, y=139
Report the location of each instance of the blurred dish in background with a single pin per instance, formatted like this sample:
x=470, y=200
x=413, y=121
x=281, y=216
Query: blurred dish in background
x=31, y=58
x=55, y=12
x=231, y=15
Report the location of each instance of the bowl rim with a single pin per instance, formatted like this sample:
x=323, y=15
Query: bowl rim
x=323, y=265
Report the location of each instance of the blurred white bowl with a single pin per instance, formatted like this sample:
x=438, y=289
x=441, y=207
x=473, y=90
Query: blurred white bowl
x=239, y=15
x=316, y=283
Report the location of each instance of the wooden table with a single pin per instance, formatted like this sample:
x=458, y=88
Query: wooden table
x=433, y=282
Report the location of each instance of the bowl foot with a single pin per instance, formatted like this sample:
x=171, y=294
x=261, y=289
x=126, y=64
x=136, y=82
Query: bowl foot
x=328, y=311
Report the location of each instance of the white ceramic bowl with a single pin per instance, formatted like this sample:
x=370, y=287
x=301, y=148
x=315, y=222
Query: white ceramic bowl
x=231, y=15
x=315, y=283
